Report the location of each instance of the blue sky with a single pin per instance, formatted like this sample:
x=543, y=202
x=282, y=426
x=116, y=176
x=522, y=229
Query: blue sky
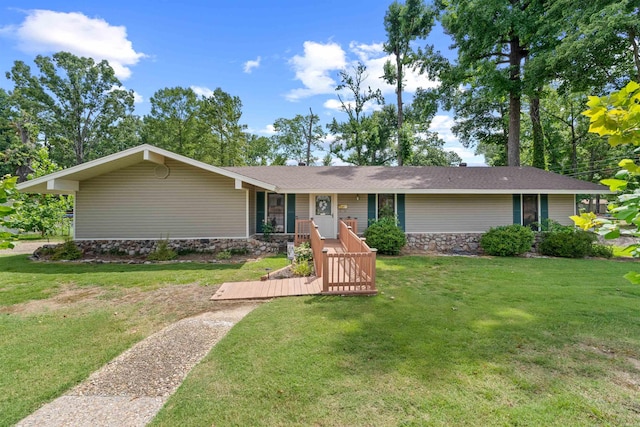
x=280, y=57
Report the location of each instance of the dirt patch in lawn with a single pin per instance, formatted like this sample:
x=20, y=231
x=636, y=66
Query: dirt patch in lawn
x=179, y=301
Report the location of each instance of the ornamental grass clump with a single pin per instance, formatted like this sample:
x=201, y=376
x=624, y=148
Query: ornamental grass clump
x=507, y=240
x=163, y=252
x=66, y=251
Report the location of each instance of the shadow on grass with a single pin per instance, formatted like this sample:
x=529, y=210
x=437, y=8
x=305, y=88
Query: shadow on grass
x=21, y=264
x=473, y=314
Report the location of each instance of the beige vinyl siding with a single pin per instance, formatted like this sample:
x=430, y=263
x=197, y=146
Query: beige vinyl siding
x=456, y=213
x=132, y=203
x=252, y=211
x=355, y=208
x=561, y=207
x=302, y=206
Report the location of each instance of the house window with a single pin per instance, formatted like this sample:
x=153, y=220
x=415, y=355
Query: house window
x=276, y=211
x=530, y=211
x=386, y=205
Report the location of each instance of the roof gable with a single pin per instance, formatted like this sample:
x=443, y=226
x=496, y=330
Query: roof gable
x=49, y=183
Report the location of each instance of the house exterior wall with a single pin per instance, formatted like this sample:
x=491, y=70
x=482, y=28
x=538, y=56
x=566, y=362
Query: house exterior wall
x=456, y=213
x=561, y=207
x=133, y=203
x=252, y=211
x=355, y=208
x=302, y=206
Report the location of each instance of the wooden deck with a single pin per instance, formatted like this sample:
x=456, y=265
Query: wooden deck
x=295, y=286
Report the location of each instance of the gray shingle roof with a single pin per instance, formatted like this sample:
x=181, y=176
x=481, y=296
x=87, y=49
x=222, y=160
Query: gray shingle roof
x=416, y=179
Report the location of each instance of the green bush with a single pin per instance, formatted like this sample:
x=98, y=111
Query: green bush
x=507, y=240
x=162, y=253
x=601, y=251
x=385, y=235
x=303, y=252
x=223, y=255
x=302, y=268
x=567, y=243
x=67, y=251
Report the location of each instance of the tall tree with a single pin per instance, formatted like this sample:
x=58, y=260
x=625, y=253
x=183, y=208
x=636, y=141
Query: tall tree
x=404, y=23
x=173, y=122
x=598, y=43
x=259, y=151
x=75, y=101
x=294, y=135
x=353, y=136
x=220, y=113
x=493, y=38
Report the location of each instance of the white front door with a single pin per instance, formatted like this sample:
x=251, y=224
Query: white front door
x=323, y=211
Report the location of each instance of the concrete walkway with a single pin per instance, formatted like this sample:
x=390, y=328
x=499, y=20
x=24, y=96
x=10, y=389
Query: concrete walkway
x=131, y=389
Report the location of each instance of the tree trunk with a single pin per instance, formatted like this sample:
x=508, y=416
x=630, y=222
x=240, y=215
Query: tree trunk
x=516, y=54
x=538, y=137
x=400, y=115
x=309, y=135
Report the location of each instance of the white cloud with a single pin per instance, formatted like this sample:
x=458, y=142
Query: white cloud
x=205, y=92
x=47, y=31
x=267, y=130
x=250, y=65
x=442, y=124
x=137, y=98
x=332, y=104
x=335, y=105
x=374, y=57
x=314, y=69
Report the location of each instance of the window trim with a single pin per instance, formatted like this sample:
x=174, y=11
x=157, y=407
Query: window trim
x=395, y=204
x=284, y=207
x=538, y=211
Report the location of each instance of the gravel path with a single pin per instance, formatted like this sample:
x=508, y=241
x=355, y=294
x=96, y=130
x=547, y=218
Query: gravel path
x=132, y=388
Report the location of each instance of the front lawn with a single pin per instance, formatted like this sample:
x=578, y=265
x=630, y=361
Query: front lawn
x=449, y=341
x=61, y=321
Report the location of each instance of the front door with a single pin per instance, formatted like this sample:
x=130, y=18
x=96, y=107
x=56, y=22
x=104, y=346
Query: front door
x=323, y=211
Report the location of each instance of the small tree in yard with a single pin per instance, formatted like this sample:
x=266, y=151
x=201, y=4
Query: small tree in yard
x=385, y=235
x=7, y=195
x=617, y=117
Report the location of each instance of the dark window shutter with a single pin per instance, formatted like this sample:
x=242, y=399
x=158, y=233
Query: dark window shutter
x=544, y=209
x=259, y=210
x=400, y=211
x=371, y=208
x=517, y=209
x=291, y=213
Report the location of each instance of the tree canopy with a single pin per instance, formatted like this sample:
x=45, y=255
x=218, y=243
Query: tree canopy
x=74, y=102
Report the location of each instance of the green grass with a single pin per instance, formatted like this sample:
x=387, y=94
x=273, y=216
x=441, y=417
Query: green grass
x=449, y=341
x=61, y=321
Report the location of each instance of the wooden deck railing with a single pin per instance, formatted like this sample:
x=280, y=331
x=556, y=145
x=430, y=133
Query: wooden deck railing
x=350, y=240
x=350, y=270
x=353, y=223
x=317, y=246
x=303, y=231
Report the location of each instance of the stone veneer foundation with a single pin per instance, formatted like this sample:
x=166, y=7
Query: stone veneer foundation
x=144, y=247
x=447, y=243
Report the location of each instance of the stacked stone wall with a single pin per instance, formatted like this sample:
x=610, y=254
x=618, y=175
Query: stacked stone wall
x=144, y=247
